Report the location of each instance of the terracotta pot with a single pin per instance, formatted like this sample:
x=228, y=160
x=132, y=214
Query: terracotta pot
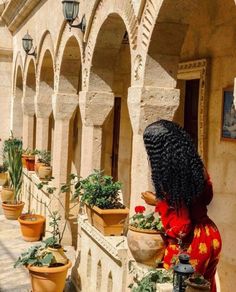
x=192, y=287
x=3, y=178
x=30, y=161
x=32, y=226
x=37, y=165
x=12, y=210
x=59, y=256
x=45, y=172
x=7, y=194
x=45, y=279
x=110, y=221
x=146, y=246
x=23, y=160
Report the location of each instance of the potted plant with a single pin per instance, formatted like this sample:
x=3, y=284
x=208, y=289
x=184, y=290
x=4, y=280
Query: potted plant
x=197, y=283
x=3, y=174
x=46, y=262
x=13, y=151
x=42, y=166
x=102, y=199
x=144, y=237
x=28, y=159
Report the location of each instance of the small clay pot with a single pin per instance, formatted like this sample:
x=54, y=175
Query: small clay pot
x=32, y=226
x=12, y=210
x=7, y=194
x=45, y=172
x=193, y=287
x=30, y=162
x=3, y=178
x=23, y=160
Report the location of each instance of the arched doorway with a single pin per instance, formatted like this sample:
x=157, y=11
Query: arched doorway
x=111, y=72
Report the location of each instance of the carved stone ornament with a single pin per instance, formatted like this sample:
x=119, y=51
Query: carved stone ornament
x=138, y=67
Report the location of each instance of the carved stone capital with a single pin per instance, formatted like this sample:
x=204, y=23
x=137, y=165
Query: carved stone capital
x=95, y=106
x=148, y=104
x=64, y=105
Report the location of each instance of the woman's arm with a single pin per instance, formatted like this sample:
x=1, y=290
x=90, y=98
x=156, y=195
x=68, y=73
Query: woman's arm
x=149, y=198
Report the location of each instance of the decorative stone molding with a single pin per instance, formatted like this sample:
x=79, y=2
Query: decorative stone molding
x=198, y=70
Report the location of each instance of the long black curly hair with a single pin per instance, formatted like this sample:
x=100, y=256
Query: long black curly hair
x=177, y=169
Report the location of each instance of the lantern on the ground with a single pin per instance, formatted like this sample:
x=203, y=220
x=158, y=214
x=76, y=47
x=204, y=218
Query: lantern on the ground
x=182, y=271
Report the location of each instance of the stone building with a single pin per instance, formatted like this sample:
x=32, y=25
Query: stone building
x=88, y=96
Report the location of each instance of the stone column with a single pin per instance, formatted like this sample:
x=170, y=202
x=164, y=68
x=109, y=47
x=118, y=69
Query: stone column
x=95, y=108
x=28, y=121
x=43, y=112
x=64, y=106
x=146, y=105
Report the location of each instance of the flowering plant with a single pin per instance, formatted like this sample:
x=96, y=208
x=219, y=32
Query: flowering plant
x=141, y=220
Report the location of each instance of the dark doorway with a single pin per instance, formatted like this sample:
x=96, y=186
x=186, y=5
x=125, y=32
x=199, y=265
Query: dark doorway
x=191, y=109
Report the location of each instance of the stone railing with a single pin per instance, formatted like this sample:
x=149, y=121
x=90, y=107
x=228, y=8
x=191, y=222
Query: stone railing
x=104, y=262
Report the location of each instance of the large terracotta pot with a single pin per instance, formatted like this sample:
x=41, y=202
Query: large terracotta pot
x=37, y=165
x=45, y=172
x=59, y=256
x=32, y=226
x=3, y=178
x=45, y=279
x=30, y=161
x=109, y=221
x=146, y=246
x=89, y=212
x=192, y=287
x=7, y=194
x=12, y=210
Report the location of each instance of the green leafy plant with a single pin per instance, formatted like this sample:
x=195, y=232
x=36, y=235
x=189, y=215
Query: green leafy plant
x=99, y=190
x=12, y=155
x=44, y=157
x=149, y=281
x=30, y=152
x=141, y=220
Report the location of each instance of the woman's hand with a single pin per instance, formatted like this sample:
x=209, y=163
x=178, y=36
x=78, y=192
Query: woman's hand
x=149, y=198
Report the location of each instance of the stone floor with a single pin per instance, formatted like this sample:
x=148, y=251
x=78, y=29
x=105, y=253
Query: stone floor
x=11, y=246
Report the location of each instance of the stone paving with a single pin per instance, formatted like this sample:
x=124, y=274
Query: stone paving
x=11, y=246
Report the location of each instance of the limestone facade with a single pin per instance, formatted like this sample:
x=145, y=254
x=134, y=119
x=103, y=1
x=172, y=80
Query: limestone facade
x=129, y=68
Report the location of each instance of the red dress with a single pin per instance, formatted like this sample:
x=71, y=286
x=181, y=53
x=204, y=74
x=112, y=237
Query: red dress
x=192, y=231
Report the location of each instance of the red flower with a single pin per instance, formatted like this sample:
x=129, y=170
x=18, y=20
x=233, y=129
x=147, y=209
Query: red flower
x=139, y=209
x=156, y=209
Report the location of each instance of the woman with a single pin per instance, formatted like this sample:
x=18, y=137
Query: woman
x=183, y=191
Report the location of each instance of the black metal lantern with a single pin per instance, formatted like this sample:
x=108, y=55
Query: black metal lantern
x=71, y=11
x=27, y=43
x=182, y=271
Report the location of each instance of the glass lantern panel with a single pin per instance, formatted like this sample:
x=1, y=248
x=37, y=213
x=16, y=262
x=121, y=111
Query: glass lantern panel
x=70, y=10
x=27, y=44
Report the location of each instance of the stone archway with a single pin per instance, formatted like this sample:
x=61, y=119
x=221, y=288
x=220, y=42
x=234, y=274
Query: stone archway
x=17, y=112
x=109, y=80
x=29, y=119
x=45, y=119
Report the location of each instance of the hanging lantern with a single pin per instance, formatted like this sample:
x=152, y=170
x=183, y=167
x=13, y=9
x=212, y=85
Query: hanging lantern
x=70, y=9
x=27, y=43
x=182, y=271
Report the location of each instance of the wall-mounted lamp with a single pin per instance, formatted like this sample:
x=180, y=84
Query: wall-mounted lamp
x=71, y=11
x=27, y=43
